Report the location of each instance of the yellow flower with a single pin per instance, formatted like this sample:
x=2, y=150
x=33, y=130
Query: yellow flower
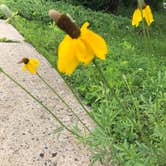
x=83, y=49
x=146, y=13
x=136, y=17
x=30, y=64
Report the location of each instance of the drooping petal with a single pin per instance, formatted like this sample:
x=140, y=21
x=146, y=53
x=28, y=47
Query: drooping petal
x=24, y=67
x=83, y=51
x=84, y=26
x=94, y=41
x=136, y=18
x=67, y=61
x=34, y=62
x=147, y=13
x=31, y=68
x=31, y=65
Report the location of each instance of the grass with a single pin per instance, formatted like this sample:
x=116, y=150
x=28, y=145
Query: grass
x=136, y=74
x=8, y=40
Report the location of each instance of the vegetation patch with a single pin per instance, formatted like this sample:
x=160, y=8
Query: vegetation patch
x=134, y=68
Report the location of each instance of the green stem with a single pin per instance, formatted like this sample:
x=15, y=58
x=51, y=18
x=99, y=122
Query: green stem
x=130, y=92
x=144, y=29
x=53, y=90
x=146, y=34
x=108, y=85
x=82, y=105
x=38, y=101
x=147, y=31
x=137, y=115
x=150, y=44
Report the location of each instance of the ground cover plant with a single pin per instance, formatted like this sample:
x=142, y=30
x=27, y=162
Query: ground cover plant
x=134, y=68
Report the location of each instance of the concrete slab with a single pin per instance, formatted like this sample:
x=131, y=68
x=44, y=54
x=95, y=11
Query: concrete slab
x=26, y=131
x=9, y=32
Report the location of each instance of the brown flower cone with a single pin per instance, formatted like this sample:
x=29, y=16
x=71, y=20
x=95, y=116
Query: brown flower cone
x=65, y=23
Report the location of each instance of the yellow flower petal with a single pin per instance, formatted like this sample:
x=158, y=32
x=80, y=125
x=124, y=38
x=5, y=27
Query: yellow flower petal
x=147, y=13
x=31, y=68
x=85, y=26
x=34, y=62
x=32, y=65
x=83, y=51
x=24, y=67
x=136, y=17
x=94, y=41
x=67, y=61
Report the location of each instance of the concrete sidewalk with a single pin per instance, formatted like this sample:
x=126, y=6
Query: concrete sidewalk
x=26, y=131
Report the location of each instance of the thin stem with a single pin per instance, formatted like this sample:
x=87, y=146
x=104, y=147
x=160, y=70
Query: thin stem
x=147, y=31
x=107, y=84
x=144, y=30
x=137, y=115
x=38, y=101
x=130, y=92
x=144, y=27
x=150, y=44
x=53, y=90
x=82, y=105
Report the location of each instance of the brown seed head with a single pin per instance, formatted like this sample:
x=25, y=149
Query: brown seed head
x=55, y=15
x=65, y=23
x=24, y=60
